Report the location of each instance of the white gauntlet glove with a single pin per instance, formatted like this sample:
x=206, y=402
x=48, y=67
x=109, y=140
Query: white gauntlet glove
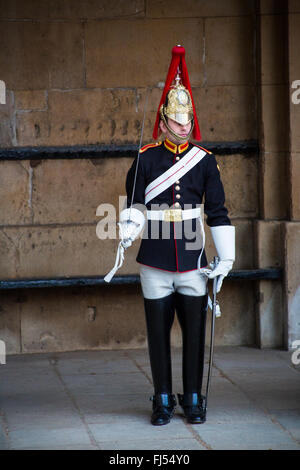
x=131, y=224
x=221, y=271
x=224, y=240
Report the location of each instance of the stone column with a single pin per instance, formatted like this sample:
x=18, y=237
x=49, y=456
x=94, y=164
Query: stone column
x=273, y=160
x=291, y=229
x=278, y=34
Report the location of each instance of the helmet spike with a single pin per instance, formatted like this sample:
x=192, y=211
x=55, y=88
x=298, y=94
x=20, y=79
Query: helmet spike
x=177, y=78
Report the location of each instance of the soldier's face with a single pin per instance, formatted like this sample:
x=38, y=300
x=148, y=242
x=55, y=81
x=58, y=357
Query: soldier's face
x=179, y=129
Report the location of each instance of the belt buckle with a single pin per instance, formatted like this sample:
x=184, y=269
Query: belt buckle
x=173, y=215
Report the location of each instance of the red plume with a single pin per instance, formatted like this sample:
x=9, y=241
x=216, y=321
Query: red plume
x=178, y=60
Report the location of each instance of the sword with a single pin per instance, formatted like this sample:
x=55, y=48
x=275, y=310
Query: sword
x=140, y=145
x=120, y=251
x=214, y=313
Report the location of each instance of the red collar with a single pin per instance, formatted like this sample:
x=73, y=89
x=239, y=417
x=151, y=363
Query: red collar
x=176, y=148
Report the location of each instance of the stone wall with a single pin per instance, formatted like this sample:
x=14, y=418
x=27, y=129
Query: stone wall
x=79, y=73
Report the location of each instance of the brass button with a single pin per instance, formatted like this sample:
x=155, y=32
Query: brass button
x=177, y=188
x=177, y=158
x=177, y=182
x=177, y=196
x=177, y=204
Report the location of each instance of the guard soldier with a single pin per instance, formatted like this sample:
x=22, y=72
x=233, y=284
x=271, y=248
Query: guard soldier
x=172, y=178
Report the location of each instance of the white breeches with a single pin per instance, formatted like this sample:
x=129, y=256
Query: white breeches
x=157, y=283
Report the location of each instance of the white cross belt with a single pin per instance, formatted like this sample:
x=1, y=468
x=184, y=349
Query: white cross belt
x=174, y=173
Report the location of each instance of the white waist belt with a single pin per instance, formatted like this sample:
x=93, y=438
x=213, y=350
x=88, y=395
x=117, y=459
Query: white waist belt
x=174, y=215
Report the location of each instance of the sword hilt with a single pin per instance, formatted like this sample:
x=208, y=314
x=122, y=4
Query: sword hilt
x=216, y=261
x=216, y=305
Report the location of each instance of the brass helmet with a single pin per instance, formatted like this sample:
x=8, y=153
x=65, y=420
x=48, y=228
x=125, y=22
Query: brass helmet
x=178, y=107
x=177, y=101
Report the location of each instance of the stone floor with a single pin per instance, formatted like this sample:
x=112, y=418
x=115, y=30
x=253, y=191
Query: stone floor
x=100, y=400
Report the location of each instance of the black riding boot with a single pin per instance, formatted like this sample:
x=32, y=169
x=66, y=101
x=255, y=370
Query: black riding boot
x=191, y=312
x=159, y=319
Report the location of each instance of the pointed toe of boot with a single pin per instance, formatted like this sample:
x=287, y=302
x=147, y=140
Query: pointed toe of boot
x=159, y=419
x=196, y=418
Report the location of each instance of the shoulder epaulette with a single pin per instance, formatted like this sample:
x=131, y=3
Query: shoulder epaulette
x=149, y=146
x=207, y=151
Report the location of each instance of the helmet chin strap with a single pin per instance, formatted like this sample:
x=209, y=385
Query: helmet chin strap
x=173, y=134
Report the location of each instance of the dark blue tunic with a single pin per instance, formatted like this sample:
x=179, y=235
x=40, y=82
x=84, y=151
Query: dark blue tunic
x=174, y=246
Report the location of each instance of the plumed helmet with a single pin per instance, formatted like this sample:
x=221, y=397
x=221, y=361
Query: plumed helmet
x=177, y=101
